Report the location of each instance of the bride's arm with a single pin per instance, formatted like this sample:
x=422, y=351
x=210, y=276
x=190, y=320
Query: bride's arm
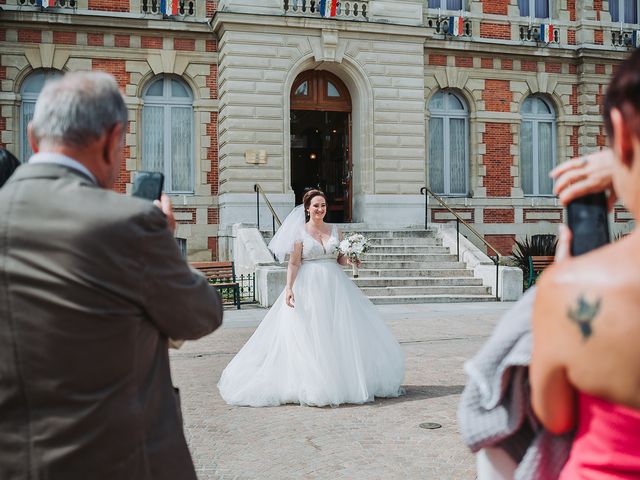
x=342, y=260
x=295, y=258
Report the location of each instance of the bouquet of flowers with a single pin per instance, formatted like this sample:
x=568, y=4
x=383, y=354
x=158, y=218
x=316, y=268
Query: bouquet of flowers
x=353, y=247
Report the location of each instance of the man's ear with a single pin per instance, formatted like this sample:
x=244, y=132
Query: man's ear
x=622, y=138
x=114, y=143
x=33, y=142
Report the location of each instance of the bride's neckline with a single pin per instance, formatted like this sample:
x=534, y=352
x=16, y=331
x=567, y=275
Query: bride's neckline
x=319, y=240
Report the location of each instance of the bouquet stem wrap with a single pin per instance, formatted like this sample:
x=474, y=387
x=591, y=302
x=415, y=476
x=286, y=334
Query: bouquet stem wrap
x=353, y=247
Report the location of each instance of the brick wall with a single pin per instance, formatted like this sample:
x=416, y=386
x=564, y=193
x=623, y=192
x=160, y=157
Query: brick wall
x=465, y=62
x=529, y=66
x=212, y=243
x=184, y=44
x=503, y=243
x=498, y=215
x=115, y=67
x=29, y=36
x=212, y=153
x=64, y=38
x=211, y=7
x=497, y=7
x=95, y=39
x=3, y=127
x=498, y=160
x=497, y=95
x=440, y=60
x=109, y=5
x=122, y=41
x=598, y=37
x=213, y=216
x=150, y=42
x=495, y=30
x=212, y=81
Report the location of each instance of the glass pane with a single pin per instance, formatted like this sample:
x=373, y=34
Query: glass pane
x=332, y=91
x=543, y=107
x=436, y=155
x=542, y=8
x=153, y=139
x=614, y=9
x=457, y=155
x=437, y=101
x=527, y=106
x=434, y=3
x=155, y=90
x=454, y=4
x=526, y=157
x=181, y=151
x=28, y=108
x=545, y=157
x=34, y=83
x=524, y=7
x=303, y=89
x=454, y=103
x=630, y=11
x=179, y=90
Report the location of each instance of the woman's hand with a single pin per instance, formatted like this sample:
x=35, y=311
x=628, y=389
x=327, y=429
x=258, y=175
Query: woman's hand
x=592, y=173
x=563, y=248
x=356, y=262
x=288, y=297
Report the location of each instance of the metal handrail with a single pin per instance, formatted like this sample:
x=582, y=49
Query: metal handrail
x=426, y=192
x=274, y=216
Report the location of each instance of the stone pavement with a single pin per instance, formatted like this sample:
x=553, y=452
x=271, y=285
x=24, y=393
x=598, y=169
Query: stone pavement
x=381, y=440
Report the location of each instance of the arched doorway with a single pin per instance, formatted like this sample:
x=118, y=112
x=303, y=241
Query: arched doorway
x=321, y=141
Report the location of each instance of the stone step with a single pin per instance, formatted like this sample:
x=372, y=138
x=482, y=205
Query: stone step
x=390, y=300
x=364, y=282
x=422, y=291
x=417, y=241
x=408, y=258
x=403, y=249
x=375, y=265
x=394, y=233
x=445, y=271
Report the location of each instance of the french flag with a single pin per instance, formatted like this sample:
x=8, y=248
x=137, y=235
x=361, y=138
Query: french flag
x=456, y=26
x=546, y=33
x=169, y=7
x=45, y=3
x=328, y=8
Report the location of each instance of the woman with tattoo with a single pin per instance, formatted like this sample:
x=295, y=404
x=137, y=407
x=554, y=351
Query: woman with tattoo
x=585, y=367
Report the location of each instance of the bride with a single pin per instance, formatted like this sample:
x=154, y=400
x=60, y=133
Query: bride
x=323, y=342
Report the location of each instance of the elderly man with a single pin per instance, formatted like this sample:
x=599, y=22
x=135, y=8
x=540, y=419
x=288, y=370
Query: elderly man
x=92, y=285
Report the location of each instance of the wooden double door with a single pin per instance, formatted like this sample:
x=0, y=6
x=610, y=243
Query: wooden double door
x=321, y=141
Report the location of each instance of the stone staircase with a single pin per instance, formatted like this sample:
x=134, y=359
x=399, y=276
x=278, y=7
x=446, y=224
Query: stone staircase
x=412, y=266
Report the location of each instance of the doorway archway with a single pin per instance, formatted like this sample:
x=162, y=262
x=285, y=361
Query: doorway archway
x=321, y=141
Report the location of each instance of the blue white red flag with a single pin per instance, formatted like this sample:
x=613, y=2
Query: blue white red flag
x=546, y=33
x=169, y=7
x=45, y=3
x=328, y=8
x=456, y=26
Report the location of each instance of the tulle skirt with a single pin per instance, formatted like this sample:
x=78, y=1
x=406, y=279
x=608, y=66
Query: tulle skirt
x=332, y=348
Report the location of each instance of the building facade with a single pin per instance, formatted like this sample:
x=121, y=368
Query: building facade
x=477, y=100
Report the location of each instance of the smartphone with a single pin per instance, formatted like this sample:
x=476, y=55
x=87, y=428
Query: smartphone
x=148, y=185
x=588, y=221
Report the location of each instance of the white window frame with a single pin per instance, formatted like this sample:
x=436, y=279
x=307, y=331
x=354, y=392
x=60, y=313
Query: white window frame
x=30, y=98
x=536, y=119
x=465, y=6
x=166, y=102
x=621, y=10
x=446, y=116
x=532, y=9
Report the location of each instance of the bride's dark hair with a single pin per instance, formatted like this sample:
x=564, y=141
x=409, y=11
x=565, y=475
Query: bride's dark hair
x=306, y=200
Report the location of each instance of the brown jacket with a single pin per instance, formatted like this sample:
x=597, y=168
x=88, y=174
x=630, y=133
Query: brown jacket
x=91, y=286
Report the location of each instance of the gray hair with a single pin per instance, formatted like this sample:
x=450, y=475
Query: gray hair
x=78, y=108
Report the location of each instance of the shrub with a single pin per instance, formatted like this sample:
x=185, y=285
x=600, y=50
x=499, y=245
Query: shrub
x=543, y=245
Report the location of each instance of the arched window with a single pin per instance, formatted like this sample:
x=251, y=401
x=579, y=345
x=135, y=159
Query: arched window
x=167, y=133
x=29, y=92
x=448, y=144
x=537, y=146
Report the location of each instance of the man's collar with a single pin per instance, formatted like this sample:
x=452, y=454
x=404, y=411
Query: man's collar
x=59, y=159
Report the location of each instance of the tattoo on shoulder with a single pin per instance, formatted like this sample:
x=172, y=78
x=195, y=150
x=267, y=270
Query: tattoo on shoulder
x=583, y=315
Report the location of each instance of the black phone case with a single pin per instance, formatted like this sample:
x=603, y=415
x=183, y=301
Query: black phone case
x=588, y=221
x=148, y=185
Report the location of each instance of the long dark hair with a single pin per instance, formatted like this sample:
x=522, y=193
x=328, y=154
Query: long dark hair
x=8, y=165
x=306, y=200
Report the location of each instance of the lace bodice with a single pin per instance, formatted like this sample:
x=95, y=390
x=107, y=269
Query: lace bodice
x=312, y=249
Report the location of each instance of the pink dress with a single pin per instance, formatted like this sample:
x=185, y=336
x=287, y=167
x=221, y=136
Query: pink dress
x=607, y=444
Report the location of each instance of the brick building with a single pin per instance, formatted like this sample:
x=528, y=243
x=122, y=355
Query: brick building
x=370, y=105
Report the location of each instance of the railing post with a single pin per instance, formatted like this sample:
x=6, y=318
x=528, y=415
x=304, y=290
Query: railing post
x=424, y=192
x=497, y=275
x=458, y=238
x=273, y=224
x=255, y=187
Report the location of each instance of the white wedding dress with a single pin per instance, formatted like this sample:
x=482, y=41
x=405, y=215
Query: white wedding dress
x=332, y=348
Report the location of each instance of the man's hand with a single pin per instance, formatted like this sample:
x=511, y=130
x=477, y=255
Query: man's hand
x=164, y=204
x=592, y=173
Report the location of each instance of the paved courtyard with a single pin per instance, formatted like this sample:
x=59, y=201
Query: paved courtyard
x=381, y=440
